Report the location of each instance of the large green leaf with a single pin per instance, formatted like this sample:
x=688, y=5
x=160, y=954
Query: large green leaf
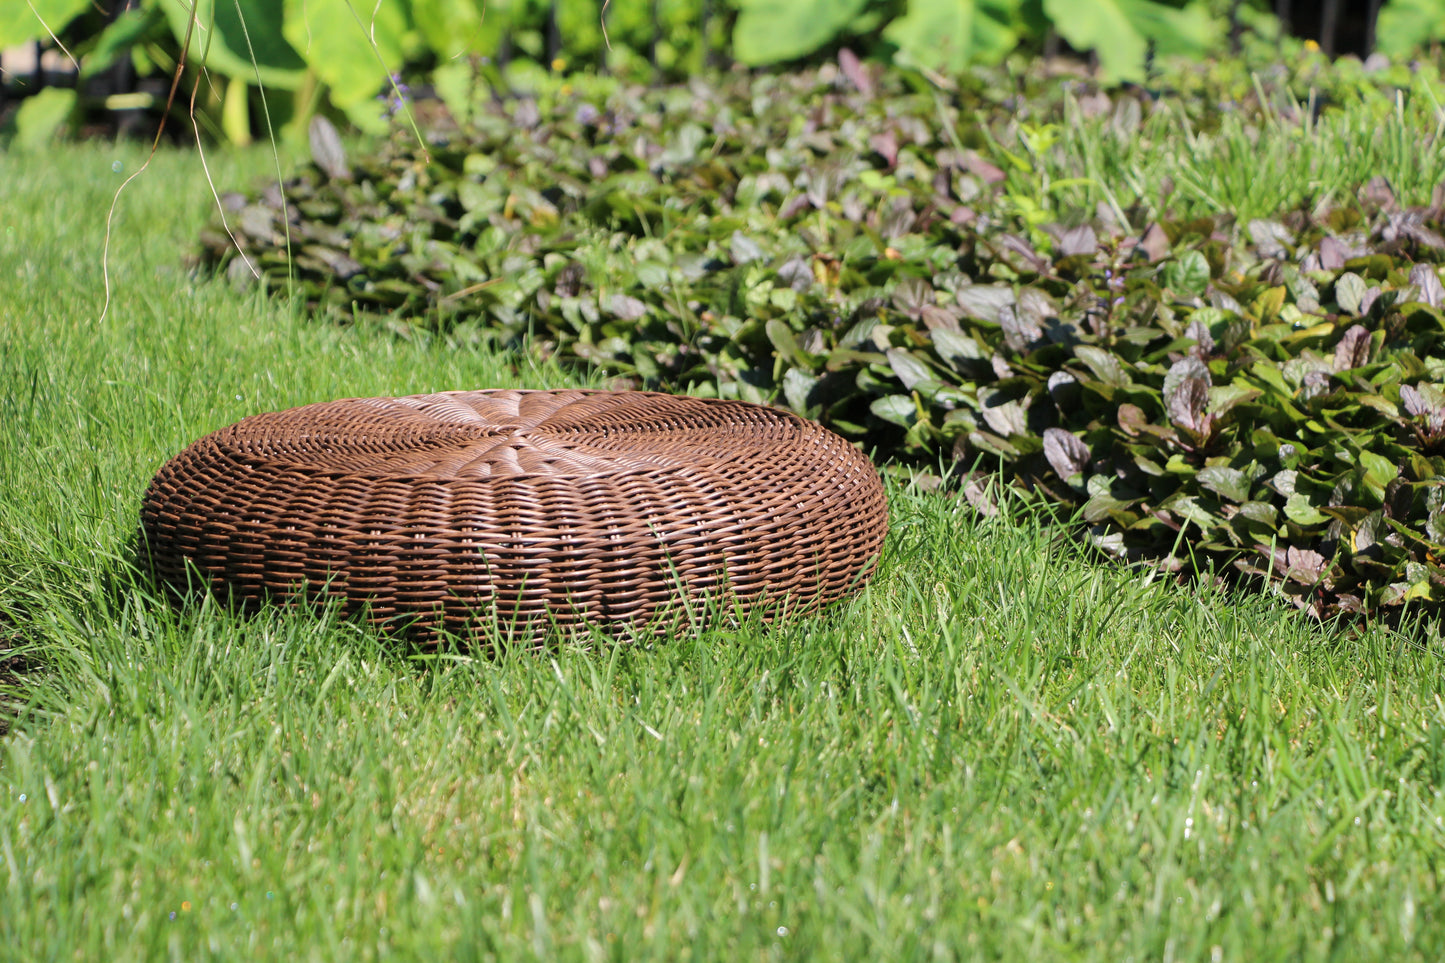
x=1188, y=31
x=1120, y=31
x=453, y=27
x=1105, y=27
x=116, y=40
x=770, y=31
x=948, y=35
x=336, y=38
x=240, y=38
x=998, y=26
x=935, y=33
x=1406, y=25
x=20, y=23
x=42, y=117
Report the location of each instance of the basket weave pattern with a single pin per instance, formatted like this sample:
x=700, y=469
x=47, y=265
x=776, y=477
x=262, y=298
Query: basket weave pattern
x=464, y=509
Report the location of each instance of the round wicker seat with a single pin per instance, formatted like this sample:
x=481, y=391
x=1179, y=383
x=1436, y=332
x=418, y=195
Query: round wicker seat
x=482, y=511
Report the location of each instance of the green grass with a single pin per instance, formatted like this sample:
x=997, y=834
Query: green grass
x=1256, y=156
x=1000, y=750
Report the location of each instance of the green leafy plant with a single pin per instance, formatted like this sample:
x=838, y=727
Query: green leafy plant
x=768, y=31
x=22, y=23
x=1121, y=32
x=1406, y=25
x=1205, y=393
x=41, y=118
x=264, y=61
x=947, y=36
x=272, y=63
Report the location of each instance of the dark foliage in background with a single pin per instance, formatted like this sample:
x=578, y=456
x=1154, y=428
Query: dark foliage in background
x=270, y=64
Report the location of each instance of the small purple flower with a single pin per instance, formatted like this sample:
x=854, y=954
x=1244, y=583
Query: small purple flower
x=394, y=96
x=1115, y=283
x=586, y=114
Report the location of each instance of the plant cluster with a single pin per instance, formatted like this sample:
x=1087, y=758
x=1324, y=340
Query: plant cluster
x=1265, y=394
x=271, y=64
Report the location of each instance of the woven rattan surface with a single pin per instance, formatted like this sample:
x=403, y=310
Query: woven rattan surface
x=485, y=510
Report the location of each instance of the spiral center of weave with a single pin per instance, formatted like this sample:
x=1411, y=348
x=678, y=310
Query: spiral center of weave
x=502, y=433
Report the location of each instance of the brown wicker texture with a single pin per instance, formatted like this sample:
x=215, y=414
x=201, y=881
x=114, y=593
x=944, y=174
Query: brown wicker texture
x=482, y=510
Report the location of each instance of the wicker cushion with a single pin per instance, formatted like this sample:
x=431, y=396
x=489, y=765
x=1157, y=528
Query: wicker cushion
x=464, y=510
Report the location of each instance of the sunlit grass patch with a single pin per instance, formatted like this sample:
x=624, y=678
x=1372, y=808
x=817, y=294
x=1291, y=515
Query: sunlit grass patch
x=1001, y=749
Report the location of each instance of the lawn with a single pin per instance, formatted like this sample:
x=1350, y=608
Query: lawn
x=1001, y=749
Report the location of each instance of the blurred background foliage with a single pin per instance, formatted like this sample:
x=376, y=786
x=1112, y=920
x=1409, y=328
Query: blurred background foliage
x=105, y=66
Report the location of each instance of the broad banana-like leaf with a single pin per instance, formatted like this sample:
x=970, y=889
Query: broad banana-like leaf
x=42, y=117
x=239, y=38
x=771, y=31
x=453, y=27
x=1120, y=31
x=20, y=24
x=948, y=35
x=935, y=33
x=353, y=45
x=1405, y=26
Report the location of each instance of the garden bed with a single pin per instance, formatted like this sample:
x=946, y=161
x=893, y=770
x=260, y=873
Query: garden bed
x=1221, y=354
